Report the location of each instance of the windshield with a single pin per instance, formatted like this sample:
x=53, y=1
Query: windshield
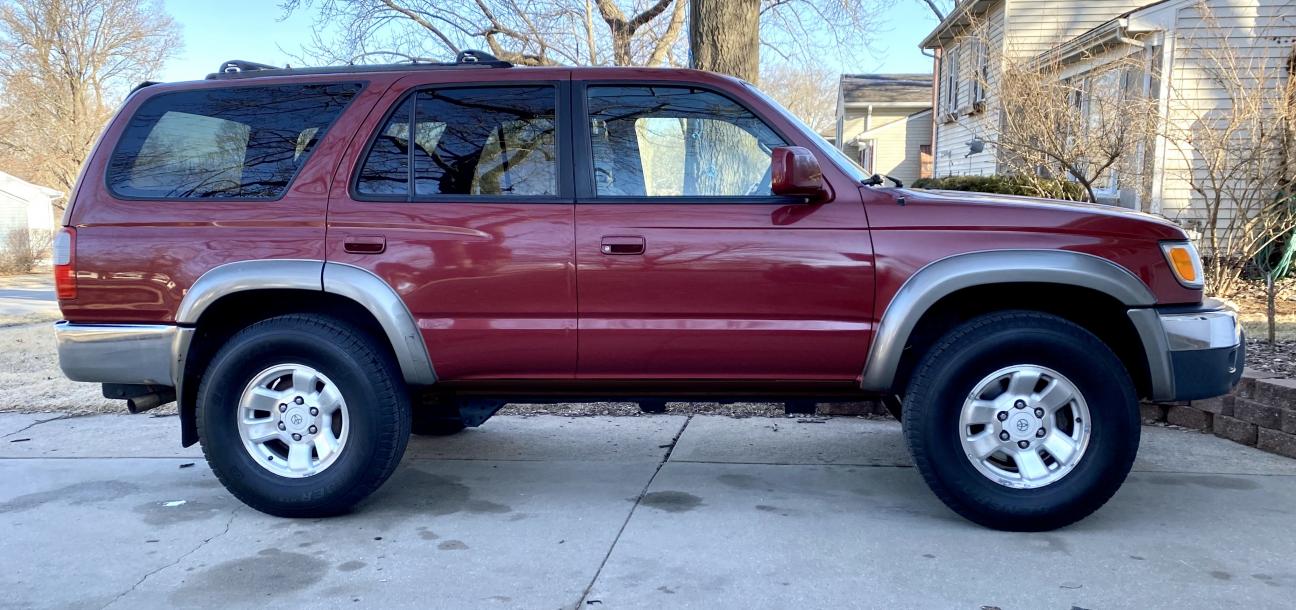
x=839, y=158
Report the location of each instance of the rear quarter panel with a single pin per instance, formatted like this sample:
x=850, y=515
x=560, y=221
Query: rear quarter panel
x=136, y=259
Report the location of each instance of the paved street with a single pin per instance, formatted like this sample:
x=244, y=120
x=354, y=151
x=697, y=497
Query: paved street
x=552, y=512
x=28, y=297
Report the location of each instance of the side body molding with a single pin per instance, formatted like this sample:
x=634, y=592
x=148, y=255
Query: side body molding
x=348, y=281
x=951, y=274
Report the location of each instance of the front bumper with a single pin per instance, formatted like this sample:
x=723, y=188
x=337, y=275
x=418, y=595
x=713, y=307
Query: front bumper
x=149, y=354
x=1193, y=352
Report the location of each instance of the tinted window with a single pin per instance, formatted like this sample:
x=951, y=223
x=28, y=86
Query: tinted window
x=677, y=142
x=487, y=141
x=244, y=142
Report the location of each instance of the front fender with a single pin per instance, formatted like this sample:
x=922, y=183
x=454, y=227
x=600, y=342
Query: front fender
x=948, y=275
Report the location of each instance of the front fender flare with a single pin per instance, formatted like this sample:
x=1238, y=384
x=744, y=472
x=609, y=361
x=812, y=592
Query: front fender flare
x=948, y=275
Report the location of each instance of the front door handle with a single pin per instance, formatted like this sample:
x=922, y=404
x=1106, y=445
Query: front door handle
x=364, y=244
x=622, y=245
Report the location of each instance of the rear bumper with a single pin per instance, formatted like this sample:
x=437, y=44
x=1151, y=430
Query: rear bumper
x=151, y=354
x=1193, y=352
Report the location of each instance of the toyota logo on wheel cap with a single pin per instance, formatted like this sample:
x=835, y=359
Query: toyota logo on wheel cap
x=1022, y=425
x=297, y=420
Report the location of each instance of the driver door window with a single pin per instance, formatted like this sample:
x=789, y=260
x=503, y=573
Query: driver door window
x=650, y=141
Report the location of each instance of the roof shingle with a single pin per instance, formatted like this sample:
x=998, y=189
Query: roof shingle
x=886, y=88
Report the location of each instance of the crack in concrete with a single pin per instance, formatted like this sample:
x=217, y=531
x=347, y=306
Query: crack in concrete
x=36, y=423
x=638, y=500
x=177, y=561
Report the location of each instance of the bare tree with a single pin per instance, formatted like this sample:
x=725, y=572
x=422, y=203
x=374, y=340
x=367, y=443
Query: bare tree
x=530, y=32
x=939, y=8
x=64, y=64
x=809, y=92
x=1086, y=128
x=1050, y=124
x=575, y=32
x=1232, y=116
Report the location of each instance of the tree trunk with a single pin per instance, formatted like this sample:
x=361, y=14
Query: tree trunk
x=724, y=36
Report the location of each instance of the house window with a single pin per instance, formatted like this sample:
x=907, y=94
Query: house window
x=981, y=77
x=866, y=155
x=950, y=84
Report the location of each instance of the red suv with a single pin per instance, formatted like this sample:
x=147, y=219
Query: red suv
x=314, y=261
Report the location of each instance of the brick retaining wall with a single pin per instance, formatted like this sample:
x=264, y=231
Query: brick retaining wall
x=1260, y=413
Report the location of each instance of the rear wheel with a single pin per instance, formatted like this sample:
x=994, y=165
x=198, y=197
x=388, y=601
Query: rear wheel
x=1022, y=421
x=302, y=416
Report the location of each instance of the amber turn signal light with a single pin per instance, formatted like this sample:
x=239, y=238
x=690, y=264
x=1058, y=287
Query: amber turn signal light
x=1185, y=262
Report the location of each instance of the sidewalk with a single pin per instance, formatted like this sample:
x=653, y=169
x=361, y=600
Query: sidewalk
x=647, y=512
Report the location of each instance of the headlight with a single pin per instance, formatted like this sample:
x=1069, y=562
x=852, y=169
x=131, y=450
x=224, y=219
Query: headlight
x=1185, y=262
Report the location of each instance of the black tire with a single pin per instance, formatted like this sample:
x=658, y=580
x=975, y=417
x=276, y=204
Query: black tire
x=981, y=346
x=369, y=382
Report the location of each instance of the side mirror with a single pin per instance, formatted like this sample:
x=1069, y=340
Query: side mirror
x=794, y=171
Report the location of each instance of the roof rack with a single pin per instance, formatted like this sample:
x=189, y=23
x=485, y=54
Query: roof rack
x=237, y=68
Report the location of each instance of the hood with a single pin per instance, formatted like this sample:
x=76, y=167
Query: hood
x=990, y=210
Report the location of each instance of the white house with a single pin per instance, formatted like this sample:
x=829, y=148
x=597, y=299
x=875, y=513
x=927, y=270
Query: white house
x=26, y=206
x=1168, y=39
x=884, y=122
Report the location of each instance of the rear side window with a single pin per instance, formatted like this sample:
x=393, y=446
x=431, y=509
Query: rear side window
x=488, y=141
x=236, y=143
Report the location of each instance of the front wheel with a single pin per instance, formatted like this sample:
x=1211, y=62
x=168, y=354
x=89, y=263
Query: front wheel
x=1022, y=421
x=302, y=416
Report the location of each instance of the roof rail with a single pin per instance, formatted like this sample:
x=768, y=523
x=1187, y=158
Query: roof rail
x=237, y=68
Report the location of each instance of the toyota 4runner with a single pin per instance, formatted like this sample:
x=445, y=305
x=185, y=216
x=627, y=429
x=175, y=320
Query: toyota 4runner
x=313, y=262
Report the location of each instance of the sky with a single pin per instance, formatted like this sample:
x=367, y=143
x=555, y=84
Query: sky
x=254, y=30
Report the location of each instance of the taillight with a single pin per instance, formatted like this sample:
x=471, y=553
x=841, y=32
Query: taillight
x=65, y=264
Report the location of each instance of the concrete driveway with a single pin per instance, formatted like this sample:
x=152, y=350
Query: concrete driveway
x=647, y=512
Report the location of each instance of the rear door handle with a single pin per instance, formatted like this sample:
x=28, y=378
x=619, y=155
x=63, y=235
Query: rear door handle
x=615, y=245
x=364, y=244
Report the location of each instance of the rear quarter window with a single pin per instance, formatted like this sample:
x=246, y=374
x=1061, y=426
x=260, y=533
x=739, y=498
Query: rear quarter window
x=231, y=143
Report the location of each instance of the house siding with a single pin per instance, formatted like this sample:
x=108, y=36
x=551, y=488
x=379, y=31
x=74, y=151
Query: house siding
x=1035, y=26
x=896, y=153
x=1263, y=33
x=951, y=146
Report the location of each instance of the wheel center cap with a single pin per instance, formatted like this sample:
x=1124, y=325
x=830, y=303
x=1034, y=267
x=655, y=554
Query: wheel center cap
x=1022, y=425
x=297, y=419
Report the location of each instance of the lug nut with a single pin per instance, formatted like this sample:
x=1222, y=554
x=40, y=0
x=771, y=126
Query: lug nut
x=1039, y=412
x=312, y=429
x=1021, y=404
x=282, y=407
x=1023, y=444
x=1003, y=415
x=282, y=426
x=1003, y=436
x=297, y=437
x=314, y=411
x=1040, y=433
x=299, y=400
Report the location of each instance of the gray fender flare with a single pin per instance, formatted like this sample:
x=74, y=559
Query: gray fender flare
x=354, y=283
x=951, y=274
x=376, y=295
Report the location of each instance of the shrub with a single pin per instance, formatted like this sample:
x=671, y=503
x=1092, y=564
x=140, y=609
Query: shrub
x=1007, y=185
x=22, y=250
